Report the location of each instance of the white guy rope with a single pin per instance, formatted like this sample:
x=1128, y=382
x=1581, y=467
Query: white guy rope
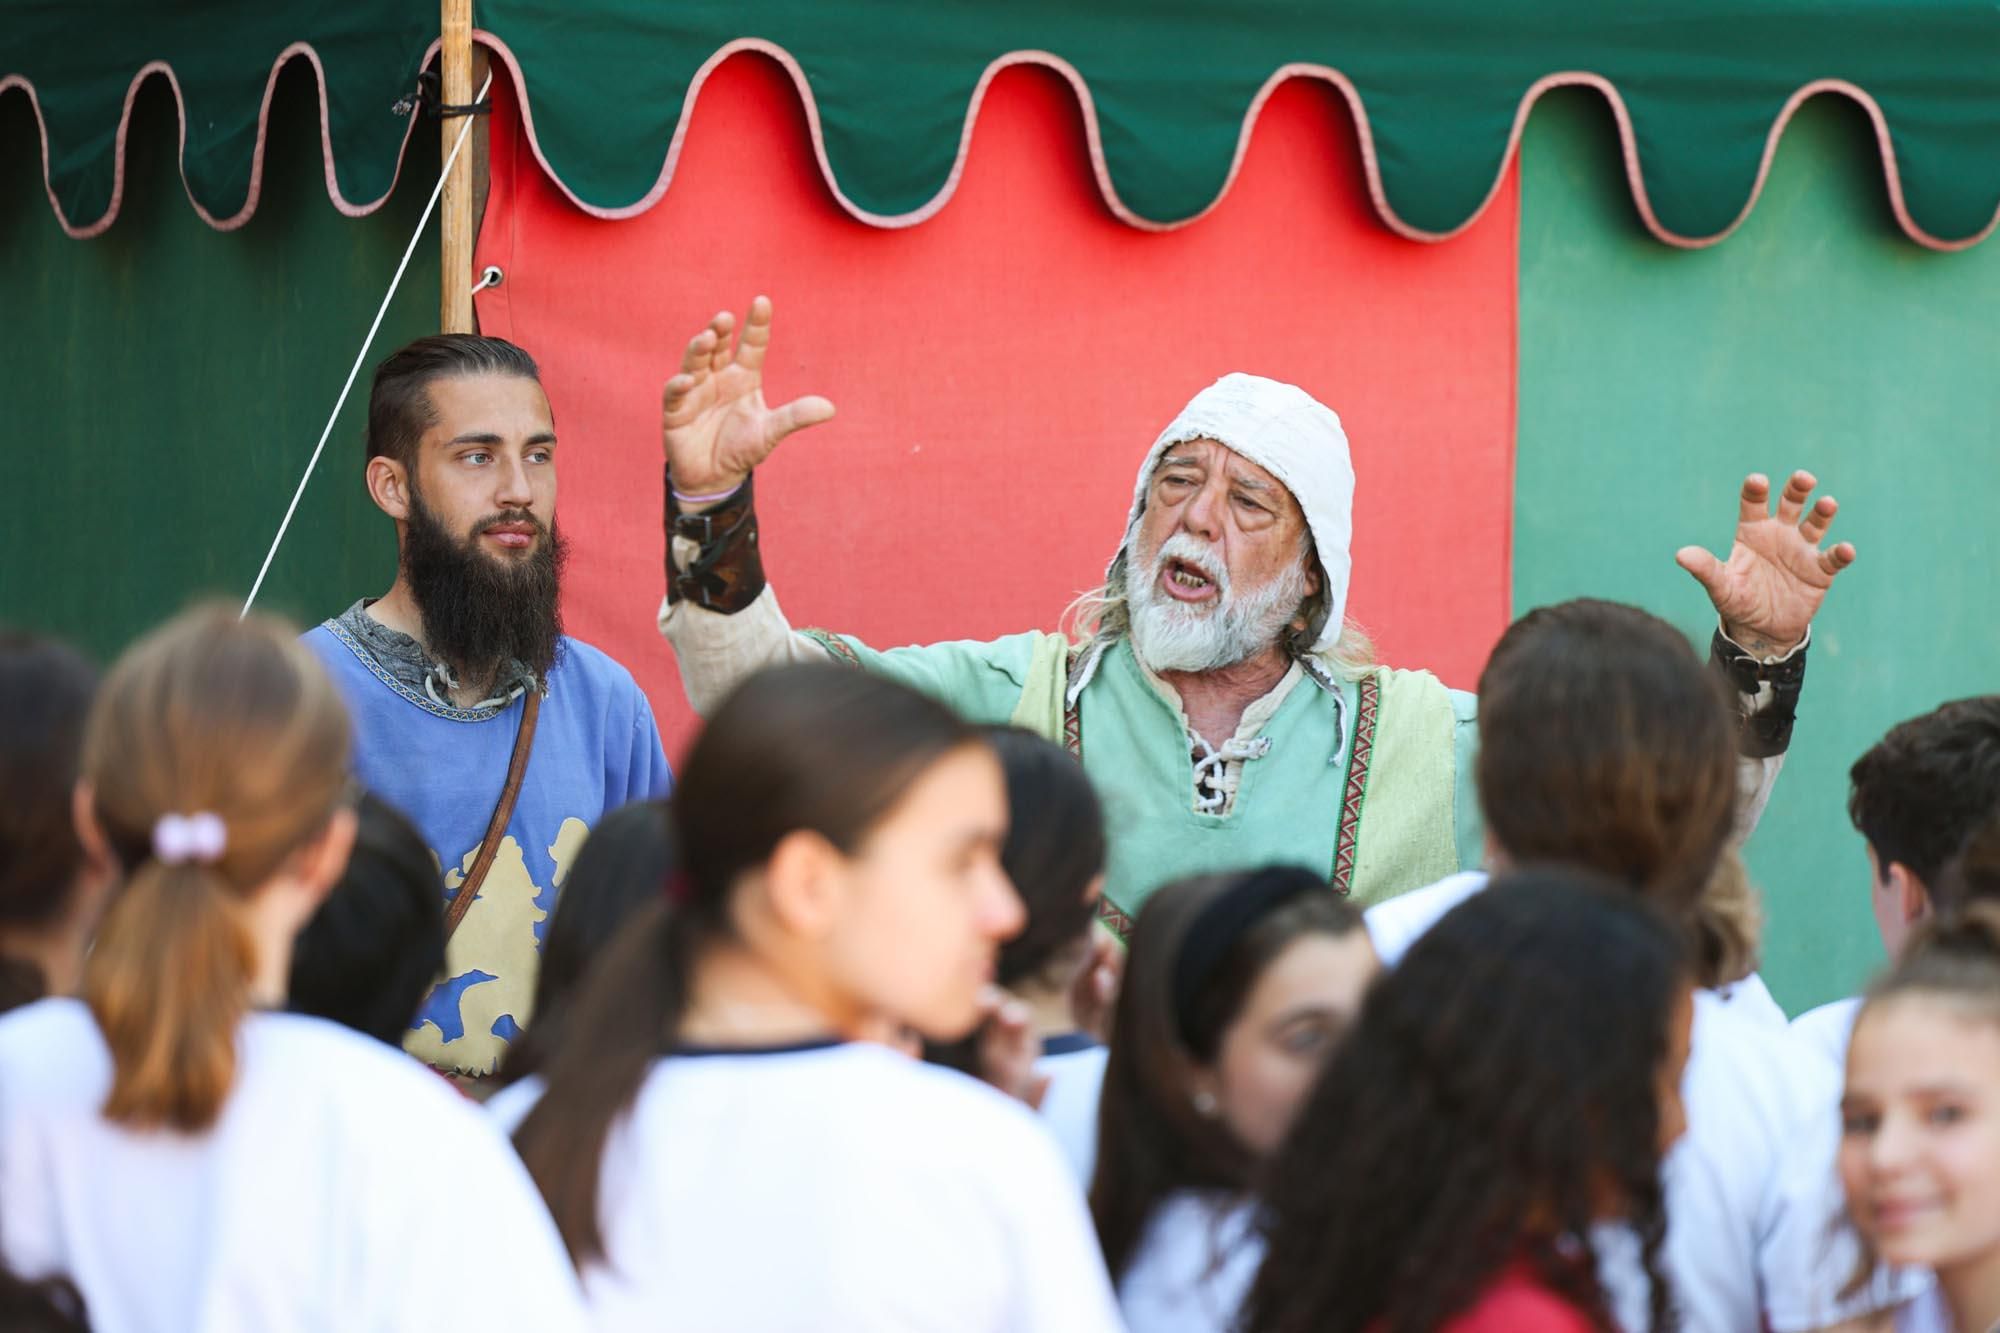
x=362, y=354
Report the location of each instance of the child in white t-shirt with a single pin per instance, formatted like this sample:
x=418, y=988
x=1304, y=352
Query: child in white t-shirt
x=1236, y=991
x=1920, y=1153
x=1604, y=744
x=716, y=1147
x=187, y=1159
x=1919, y=797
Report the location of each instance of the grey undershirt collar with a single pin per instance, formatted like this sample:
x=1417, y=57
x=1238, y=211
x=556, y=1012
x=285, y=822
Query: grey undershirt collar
x=411, y=667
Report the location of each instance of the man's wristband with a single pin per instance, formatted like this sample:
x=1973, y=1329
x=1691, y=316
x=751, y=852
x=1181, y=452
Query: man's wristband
x=726, y=573
x=1768, y=695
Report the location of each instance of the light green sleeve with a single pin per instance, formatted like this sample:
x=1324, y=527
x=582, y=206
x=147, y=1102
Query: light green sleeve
x=981, y=680
x=1468, y=828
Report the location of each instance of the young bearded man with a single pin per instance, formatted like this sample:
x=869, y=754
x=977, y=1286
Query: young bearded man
x=501, y=737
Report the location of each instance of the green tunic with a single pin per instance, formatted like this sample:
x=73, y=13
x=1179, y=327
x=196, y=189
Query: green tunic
x=1374, y=788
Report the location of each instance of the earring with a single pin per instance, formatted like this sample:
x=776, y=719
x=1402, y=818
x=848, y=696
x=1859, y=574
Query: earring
x=1204, y=1104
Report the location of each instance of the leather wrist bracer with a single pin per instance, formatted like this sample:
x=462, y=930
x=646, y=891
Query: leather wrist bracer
x=727, y=571
x=1768, y=731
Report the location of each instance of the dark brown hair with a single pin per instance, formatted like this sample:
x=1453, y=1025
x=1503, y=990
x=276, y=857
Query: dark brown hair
x=1494, y=1085
x=1054, y=849
x=1605, y=744
x=621, y=869
x=1974, y=874
x=205, y=714
x=45, y=694
x=399, y=404
x=1923, y=788
x=1151, y=1141
x=374, y=948
x=1955, y=957
x=813, y=747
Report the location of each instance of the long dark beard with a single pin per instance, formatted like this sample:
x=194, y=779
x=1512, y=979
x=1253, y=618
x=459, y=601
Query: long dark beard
x=478, y=611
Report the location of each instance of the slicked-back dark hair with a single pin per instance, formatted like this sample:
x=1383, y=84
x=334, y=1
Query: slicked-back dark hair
x=1494, y=1085
x=399, y=404
x=1922, y=790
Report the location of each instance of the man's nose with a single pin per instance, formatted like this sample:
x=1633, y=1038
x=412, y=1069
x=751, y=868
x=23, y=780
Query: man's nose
x=1202, y=515
x=514, y=492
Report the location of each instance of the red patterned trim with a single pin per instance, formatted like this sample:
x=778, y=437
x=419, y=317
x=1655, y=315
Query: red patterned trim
x=1116, y=921
x=1371, y=166
x=1073, y=728
x=836, y=647
x=1356, y=793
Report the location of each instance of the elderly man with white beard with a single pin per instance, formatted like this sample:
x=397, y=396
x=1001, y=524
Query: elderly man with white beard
x=1213, y=687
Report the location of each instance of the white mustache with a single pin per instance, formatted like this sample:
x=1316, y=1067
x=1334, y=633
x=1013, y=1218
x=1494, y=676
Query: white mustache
x=1197, y=554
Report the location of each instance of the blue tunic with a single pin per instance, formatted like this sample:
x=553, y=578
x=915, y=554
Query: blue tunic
x=596, y=748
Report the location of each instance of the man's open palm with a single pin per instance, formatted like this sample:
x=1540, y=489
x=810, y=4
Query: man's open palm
x=1776, y=576
x=713, y=418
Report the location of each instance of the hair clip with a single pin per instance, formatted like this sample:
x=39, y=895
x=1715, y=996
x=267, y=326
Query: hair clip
x=180, y=839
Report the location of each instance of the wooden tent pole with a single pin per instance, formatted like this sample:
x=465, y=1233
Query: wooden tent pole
x=455, y=208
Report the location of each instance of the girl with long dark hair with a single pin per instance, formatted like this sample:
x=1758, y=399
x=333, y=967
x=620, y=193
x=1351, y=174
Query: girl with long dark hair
x=1511, y=1085
x=717, y=1148
x=189, y=1155
x=1236, y=990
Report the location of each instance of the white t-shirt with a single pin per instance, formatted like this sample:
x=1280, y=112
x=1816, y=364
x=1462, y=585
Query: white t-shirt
x=1828, y=1028
x=835, y=1187
x=1753, y=1196
x=1926, y=1314
x=1752, y=999
x=344, y=1187
x=1069, y=1105
x=1194, y=1265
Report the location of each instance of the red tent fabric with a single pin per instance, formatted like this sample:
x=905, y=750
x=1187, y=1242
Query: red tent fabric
x=1001, y=368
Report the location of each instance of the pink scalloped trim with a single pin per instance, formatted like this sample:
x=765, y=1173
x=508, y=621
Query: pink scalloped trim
x=241, y=216
x=1327, y=74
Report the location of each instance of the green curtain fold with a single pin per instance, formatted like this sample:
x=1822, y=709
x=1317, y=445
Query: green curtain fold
x=1439, y=85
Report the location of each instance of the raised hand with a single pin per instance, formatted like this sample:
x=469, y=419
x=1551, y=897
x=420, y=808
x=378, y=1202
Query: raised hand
x=1776, y=576
x=713, y=418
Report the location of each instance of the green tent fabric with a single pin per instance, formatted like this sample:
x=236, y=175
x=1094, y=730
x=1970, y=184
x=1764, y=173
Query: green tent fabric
x=1439, y=90
x=81, y=64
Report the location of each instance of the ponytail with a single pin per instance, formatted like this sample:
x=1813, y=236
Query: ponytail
x=216, y=750
x=168, y=981
x=625, y=1018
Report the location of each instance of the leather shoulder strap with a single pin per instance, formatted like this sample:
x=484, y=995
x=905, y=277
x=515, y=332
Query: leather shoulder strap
x=496, y=828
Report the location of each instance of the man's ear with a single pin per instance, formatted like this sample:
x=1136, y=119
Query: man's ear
x=389, y=486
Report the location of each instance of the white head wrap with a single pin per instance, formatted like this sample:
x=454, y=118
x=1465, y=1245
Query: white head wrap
x=1297, y=439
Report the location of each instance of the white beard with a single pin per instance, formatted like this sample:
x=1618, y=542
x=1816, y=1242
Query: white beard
x=1171, y=635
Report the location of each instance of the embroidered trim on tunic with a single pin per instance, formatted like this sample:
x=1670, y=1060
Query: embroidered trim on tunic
x=835, y=646
x=381, y=673
x=1356, y=795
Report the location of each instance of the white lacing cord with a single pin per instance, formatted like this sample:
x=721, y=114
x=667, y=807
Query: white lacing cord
x=362, y=354
x=1214, y=763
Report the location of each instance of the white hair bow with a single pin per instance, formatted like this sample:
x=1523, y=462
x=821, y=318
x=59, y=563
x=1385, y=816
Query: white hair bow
x=178, y=839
